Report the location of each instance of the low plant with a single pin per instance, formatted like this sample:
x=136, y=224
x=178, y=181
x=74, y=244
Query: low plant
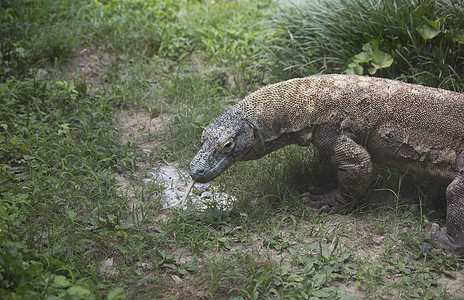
x=416, y=41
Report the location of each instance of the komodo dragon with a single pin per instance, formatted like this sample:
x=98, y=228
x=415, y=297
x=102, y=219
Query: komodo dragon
x=355, y=121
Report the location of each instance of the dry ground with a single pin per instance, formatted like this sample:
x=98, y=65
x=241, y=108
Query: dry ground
x=140, y=128
x=354, y=230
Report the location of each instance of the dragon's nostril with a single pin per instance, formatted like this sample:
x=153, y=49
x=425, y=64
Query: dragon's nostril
x=201, y=171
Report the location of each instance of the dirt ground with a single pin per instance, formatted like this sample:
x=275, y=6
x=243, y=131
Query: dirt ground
x=138, y=127
x=91, y=65
x=355, y=228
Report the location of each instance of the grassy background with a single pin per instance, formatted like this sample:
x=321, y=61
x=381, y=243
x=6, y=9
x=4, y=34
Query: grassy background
x=63, y=213
x=423, y=38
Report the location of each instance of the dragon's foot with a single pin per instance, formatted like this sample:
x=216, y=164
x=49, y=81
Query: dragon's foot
x=325, y=201
x=441, y=237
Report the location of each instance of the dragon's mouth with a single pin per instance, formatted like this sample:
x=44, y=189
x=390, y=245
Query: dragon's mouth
x=204, y=171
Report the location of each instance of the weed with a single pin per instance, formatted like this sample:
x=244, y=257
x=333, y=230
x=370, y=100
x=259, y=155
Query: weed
x=417, y=41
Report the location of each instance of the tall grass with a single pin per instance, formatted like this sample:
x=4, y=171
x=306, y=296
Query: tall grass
x=325, y=36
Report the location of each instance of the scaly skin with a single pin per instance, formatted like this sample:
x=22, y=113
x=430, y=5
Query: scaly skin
x=355, y=121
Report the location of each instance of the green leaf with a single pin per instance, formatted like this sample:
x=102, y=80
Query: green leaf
x=223, y=239
x=362, y=57
x=354, y=69
x=375, y=43
x=325, y=252
x=437, y=23
x=427, y=32
x=79, y=291
x=61, y=281
x=458, y=36
x=346, y=255
x=116, y=294
x=321, y=294
x=382, y=59
x=170, y=266
x=367, y=47
x=373, y=70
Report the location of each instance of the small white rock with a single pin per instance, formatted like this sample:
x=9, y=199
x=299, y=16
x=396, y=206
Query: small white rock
x=174, y=180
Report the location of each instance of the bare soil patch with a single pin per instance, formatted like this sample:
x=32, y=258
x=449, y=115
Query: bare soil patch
x=140, y=128
x=454, y=286
x=91, y=64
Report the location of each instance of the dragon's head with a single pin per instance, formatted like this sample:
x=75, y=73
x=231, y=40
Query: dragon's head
x=223, y=142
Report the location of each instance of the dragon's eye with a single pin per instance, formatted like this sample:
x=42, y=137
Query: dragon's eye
x=226, y=145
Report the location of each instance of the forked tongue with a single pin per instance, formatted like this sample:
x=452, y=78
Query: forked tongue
x=184, y=197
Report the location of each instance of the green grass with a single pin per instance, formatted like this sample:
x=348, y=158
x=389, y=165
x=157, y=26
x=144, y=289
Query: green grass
x=71, y=228
x=423, y=38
